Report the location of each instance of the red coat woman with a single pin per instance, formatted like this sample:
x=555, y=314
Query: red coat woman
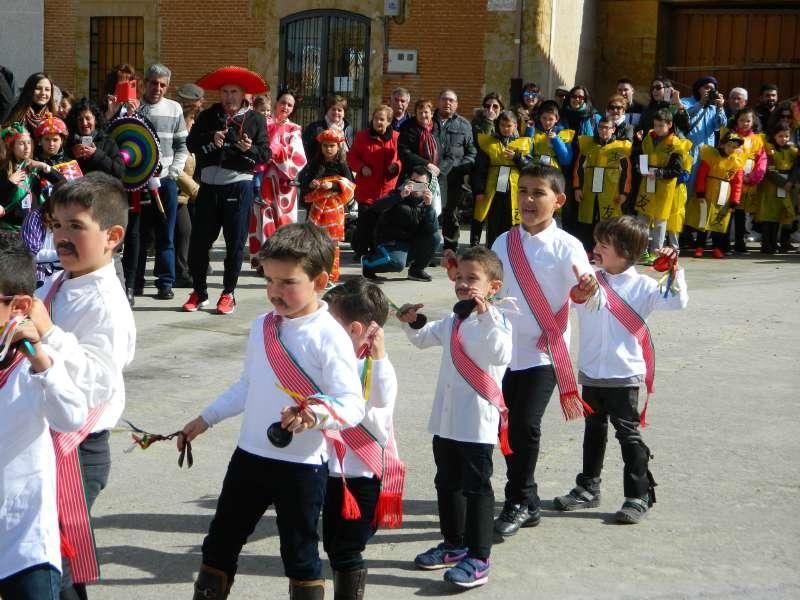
x=373, y=158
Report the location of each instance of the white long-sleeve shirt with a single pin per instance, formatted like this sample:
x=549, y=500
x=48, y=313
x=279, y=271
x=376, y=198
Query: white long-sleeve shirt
x=552, y=253
x=325, y=353
x=377, y=419
x=459, y=413
x=95, y=335
x=31, y=404
x=607, y=350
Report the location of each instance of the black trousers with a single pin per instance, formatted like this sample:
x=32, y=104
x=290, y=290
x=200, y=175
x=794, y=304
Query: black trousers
x=225, y=207
x=738, y=222
x=94, y=455
x=252, y=484
x=620, y=406
x=464, y=494
x=344, y=540
x=498, y=220
x=452, y=198
x=527, y=393
x=183, y=232
x=130, y=251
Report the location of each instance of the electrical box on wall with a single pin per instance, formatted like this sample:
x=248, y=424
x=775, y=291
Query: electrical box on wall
x=402, y=61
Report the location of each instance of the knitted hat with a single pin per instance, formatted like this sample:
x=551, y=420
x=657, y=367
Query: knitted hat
x=190, y=92
x=12, y=132
x=51, y=126
x=331, y=136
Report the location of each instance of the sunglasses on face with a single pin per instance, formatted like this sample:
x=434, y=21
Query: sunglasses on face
x=577, y=97
x=616, y=107
x=530, y=93
x=657, y=88
x=491, y=106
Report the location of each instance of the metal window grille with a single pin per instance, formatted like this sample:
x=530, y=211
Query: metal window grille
x=113, y=41
x=322, y=53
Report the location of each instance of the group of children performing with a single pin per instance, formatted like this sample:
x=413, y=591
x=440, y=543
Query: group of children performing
x=661, y=179
x=317, y=393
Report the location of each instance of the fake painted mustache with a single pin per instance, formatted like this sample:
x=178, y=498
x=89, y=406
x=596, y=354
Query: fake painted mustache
x=66, y=247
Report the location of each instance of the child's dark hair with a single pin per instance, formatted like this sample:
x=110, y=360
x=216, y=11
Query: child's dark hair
x=553, y=176
x=358, y=300
x=747, y=110
x=627, y=234
x=548, y=106
x=306, y=244
x=508, y=116
x=664, y=115
x=17, y=266
x=487, y=259
x=101, y=194
x=779, y=127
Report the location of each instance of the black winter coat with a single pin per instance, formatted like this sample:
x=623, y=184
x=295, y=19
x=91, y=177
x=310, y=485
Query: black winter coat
x=213, y=119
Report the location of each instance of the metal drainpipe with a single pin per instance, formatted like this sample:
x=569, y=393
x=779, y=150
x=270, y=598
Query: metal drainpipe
x=550, y=47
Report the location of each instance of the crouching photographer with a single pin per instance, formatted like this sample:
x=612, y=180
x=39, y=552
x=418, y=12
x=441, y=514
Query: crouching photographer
x=400, y=229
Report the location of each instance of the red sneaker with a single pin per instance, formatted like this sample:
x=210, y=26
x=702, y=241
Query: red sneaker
x=698, y=253
x=226, y=304
x=717, y=253
x=194, y=302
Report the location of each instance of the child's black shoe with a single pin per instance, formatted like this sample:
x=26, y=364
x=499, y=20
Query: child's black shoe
x=577, y=498
x=633, y=511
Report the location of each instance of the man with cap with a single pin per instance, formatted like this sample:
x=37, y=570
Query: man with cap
x=228, y=139
x=191, y=98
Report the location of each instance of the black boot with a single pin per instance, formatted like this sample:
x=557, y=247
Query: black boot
x=349, y=585
x=212, y=584
x=306, y=590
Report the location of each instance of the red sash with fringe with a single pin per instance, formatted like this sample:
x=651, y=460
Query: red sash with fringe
x=385, y=465
x=77, y=538
x=553, y=326
x=637, y=327
x=480, y=381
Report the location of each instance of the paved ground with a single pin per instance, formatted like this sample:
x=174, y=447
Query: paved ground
x=723, y=431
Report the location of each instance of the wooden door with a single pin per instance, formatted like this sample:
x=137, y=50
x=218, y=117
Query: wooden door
x=740, y=47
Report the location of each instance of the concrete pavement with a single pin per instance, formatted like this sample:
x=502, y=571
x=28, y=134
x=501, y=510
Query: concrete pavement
x=723, y=432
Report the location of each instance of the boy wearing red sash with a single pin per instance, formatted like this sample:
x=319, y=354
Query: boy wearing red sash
x=361, y=308
x=616, y=356
x=541, y=263
x=468, y=410
x=299, y=389
x=87, y=322
x=35, y=396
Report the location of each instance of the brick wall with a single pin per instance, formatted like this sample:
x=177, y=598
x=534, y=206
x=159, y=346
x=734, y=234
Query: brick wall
x=449, y=39
x=59, y=42
x=209, y=35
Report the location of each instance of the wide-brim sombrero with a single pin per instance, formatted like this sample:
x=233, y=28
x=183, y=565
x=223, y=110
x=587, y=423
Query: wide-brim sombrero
x=250, y=82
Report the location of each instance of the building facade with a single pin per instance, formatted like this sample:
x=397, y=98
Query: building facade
x=362, y=49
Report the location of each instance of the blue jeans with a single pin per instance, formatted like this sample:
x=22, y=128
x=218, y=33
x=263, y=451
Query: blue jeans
x=164, y=230
x=40, y=582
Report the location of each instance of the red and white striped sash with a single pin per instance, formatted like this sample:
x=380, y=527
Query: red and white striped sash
x=77, y=538
x=5, y=374
x=480, y=381
x=291, y=376
x=553, y=326
x=637, y=327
